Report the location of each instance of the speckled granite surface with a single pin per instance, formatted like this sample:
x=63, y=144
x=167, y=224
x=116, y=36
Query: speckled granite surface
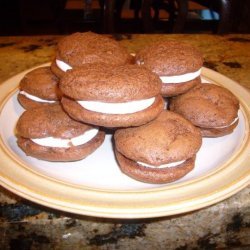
x=226, y=225
x=229, y=55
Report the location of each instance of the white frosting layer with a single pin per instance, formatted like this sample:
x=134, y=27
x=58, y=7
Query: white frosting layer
x=66, y=143
x=117, y=108
x=168, y=165
x=181, y=78
x=35, y=98
x=62, y=65
x=234, y=121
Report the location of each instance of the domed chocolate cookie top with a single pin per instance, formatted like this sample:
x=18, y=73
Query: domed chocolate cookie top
x=80, y=48
x=100, y=82
x=207, y=106
x=49, y=122
x=41, y=83
x=170, y=58
x=212, y=108
x=168, y=138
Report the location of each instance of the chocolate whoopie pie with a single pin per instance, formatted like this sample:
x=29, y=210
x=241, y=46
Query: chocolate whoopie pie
x=212, y=108
x=108, y=96
x=38, y=88
x=88, y=47
x=161, y=151
x=48, y=133
x=177, y=64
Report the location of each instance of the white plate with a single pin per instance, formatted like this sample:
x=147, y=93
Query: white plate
x=96, y=186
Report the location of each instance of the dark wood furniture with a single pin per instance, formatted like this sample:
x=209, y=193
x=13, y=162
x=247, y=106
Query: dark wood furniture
x=223, y=7
x=178, y=13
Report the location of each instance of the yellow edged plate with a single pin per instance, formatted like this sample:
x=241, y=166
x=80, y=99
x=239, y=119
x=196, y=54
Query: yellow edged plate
x=95, y=186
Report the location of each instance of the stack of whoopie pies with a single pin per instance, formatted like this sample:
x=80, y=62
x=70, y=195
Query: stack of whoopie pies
x=95, y=85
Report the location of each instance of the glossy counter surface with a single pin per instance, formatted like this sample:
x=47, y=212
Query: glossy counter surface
x=226, y=225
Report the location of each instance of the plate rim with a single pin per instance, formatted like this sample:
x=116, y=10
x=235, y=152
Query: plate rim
x=123, y=210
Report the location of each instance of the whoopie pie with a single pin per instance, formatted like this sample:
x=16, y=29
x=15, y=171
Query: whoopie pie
x=161, y=151
x=48, y=133
x=109, y=96
x=87, y=47
x=177, y=64
x=38, y=88
x=212, y=108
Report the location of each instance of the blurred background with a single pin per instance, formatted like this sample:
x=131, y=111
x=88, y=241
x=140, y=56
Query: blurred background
x=32, y=17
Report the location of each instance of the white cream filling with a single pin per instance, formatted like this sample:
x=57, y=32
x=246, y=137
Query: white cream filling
x=234, y=121
x=117, y=108
x=180, y=78
x=168, y=165
x=62, y=65
x=140, y=62
x=35, y=98
x=66, y=143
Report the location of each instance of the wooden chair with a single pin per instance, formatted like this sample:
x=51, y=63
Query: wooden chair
x=169, y=6
x=224, y=7
x=112, y=10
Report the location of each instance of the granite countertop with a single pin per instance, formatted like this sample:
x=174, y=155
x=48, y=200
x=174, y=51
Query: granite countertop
x=225, y=225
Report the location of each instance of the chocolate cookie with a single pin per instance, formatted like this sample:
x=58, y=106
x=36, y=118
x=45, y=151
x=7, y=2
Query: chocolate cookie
x=177, y=64
x=48, y=133
x=80, y=48
x=161, y=151
x=108, y=96
x=38, y=88
x=212, y=108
